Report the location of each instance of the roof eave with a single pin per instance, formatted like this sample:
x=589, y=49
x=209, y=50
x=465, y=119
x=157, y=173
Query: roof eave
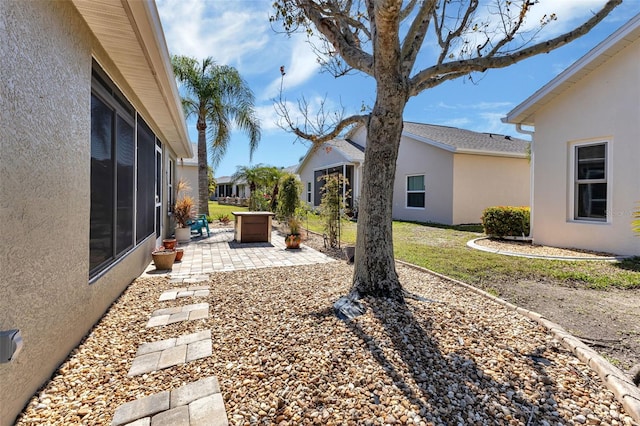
x=142, y=18
x=524, y=113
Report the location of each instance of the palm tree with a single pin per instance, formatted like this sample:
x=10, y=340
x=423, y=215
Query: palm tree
x=255, y=176
x=218, y=96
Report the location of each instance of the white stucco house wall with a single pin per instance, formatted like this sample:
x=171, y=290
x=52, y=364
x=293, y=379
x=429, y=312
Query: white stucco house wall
x=187, y=169
x=585, y=148
x=444, y=174
x=91, y=129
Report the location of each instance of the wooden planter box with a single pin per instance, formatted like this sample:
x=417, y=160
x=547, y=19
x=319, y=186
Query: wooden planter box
x=252, y=227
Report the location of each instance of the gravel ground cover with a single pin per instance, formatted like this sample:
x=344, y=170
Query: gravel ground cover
x=282, y=357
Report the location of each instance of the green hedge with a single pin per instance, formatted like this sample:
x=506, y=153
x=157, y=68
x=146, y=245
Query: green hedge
x=504, y=221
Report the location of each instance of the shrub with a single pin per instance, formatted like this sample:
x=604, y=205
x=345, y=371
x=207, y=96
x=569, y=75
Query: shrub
x=288, y=196
x=504, y=221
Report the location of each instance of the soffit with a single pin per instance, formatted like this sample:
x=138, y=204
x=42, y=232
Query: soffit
x=130, y=33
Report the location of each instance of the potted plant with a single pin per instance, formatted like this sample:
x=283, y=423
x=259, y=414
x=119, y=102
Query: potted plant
x=163, y=259
x=293, y=238
x=183, y=213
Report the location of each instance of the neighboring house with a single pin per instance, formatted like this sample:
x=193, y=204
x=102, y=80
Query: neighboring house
x=444, y=174
x=339, y=156
x=187, y=170
x=91, y=128
x=586, y=150
x=227, y=187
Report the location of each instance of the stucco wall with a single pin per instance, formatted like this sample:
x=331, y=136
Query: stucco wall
x=322, y=158
x=603, y=106
x=416, y=158
x=45, y=195
x=190, y=174
x=482, y=181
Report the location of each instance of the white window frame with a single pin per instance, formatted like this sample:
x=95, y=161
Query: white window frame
x=574, y=182
x=407, y=192
x=309, y=192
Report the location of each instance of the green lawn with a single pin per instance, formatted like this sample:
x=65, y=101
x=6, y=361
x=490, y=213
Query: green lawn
x=443, y=249
x=216, y=210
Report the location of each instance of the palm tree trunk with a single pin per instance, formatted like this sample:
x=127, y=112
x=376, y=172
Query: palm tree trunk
x=203, y=178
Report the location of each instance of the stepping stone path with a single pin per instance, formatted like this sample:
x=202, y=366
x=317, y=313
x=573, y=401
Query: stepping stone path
x=167, y=316
x=177, y=293
x=167, y=353
x=195, y=404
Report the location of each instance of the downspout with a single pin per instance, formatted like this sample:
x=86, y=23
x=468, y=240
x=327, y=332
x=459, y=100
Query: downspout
x=531, y=133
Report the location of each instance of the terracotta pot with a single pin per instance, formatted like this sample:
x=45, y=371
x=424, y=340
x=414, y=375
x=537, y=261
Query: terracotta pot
x=179, y=254
x=169, y=243
x=164, y=259
x=292, y=241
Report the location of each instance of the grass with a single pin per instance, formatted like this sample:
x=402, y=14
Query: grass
x=216, y=210
x=443, y=249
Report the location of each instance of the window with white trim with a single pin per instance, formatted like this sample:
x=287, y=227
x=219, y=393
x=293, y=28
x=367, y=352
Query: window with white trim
x=415, y=191
x=308, y=192
x=590, y=181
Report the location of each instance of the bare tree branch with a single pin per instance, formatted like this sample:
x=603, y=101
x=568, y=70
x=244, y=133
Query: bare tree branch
x=439, y=73
x=344, y=43
x=417, y=32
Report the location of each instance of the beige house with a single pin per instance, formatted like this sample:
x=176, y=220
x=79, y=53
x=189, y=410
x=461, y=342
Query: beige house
x=187, y=169
x=444, y=174
x=586, y=150
x=91, y=129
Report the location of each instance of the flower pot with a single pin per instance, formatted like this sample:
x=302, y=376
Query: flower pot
x=164, y=259
x=292, y=241
x=179, y=254
x=183, y=235
x=169, y=243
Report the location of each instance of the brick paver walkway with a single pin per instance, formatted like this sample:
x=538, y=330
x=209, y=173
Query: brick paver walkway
x=177, y=293
x=198, y=403
x=220, y=253
x=167, y=316
x=169, y=352
x=195, y=404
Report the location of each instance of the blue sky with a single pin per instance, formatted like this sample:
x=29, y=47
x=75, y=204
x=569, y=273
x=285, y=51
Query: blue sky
x=238, y=33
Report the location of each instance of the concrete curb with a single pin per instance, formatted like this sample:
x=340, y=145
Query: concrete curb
x=613, y=378
x=472, y=244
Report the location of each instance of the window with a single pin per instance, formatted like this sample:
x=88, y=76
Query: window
x=146, y=182
x=346, y=170
x=415, y=191
x=123, y=171
x=590, y=182
x=112, y=175
x=308, y=192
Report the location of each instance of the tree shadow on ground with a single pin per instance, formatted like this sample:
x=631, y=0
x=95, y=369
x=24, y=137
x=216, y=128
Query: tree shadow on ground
x=630, y=264
x=447, y=388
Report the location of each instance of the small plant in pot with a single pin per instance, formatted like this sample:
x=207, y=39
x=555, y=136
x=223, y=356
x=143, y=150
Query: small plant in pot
x=293, y=238
x=183, y=213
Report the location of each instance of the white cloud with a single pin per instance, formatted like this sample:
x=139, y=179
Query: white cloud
x=300, y=67
x=226, y=31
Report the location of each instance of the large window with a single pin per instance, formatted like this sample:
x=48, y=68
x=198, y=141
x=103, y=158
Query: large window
x=122, y=200
x=112, y=174
x=590, y=182
x=347, y=170
x=415, y=191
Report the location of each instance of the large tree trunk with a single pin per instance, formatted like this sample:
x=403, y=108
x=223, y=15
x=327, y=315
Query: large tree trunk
x=375, y=271
x=203, y=168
